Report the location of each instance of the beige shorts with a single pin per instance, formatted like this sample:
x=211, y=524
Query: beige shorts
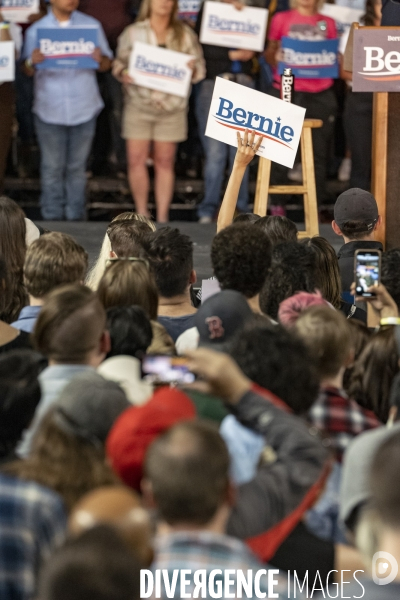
x=167, y=127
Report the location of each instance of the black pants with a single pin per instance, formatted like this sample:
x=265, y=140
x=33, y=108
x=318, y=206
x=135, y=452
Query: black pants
x=6, y=123
x=358, y=128
x=322, y=105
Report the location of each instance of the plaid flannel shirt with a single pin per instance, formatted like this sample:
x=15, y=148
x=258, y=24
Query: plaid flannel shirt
x=335, y=414
x=207, y=550
x=32, y=525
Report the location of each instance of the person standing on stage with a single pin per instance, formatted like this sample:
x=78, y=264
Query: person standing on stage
x=315, y=95
x=152, y=116
x=66, y=105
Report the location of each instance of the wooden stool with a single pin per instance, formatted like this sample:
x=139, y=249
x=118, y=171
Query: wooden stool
x=307, y=189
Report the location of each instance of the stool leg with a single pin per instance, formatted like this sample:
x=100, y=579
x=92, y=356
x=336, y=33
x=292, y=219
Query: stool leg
x=261, y=197
x=310, y=194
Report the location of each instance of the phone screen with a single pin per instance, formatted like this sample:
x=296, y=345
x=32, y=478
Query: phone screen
x=367, y=271
x=159, y=369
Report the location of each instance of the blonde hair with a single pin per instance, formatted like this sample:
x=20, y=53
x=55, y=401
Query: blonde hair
x=97, y=271
x=162, y=342
x=174, y=23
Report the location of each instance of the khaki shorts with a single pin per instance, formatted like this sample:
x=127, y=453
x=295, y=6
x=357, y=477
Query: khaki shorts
x=167, y=127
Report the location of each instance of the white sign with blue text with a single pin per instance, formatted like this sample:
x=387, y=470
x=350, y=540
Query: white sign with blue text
x=225, y=25
x=343, y=15
x=160, y=69
x=68, y=48
x=189, y=9
x=7, y=61
x=18, y=11
x=235, y=108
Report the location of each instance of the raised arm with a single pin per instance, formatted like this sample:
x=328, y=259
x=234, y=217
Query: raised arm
x=247, y=149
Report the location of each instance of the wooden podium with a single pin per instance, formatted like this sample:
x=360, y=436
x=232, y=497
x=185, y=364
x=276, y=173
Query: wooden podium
x=385, y=182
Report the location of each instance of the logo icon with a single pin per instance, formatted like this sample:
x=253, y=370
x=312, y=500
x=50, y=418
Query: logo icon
x=384, y=564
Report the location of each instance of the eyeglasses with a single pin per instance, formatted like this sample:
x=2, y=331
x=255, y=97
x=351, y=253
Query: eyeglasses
x=129, y=259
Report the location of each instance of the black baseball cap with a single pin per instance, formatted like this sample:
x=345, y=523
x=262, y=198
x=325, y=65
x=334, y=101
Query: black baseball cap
x=220, y=317
x=356, y=204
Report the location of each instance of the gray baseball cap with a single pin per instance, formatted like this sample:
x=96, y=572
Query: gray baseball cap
x=89, y=405
x=356, y=204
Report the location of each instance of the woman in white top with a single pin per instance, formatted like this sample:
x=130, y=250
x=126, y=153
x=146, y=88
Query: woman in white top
x=153, y=116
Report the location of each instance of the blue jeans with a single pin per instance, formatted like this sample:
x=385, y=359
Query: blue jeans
x=64, y=152
x=217, y=154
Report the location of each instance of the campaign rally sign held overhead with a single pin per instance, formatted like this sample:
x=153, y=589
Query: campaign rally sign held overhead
x=189, y=9
x=224, y=25
x=376, y=60
x=160, y=69
x=235, y=108
x=68, y=48
x=310, y=59
x=18, y=11
x=7, y=62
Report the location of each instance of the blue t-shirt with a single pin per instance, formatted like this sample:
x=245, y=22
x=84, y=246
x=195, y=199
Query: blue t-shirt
x=177, y=325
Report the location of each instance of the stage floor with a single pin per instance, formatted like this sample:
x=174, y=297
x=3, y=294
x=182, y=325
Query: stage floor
x=90, y=234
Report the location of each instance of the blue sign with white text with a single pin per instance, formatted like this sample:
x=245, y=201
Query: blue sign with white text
x=310, y=59
x=68, y=48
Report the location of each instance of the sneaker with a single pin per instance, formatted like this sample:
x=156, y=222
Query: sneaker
x=296, y=174
x=276, y=210
x=205, y=220
x=344, y=171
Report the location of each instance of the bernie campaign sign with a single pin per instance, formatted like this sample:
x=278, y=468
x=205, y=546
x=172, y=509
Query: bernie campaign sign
x=189, y=9
x=18, y=11
x=235, y=108
x=310, y=59
x=7, y=62
x=68, y=48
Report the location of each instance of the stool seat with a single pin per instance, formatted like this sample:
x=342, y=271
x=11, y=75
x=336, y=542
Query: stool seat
x=307, y=189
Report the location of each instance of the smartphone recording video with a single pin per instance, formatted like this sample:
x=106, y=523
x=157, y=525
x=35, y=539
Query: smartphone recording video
x=160, y=369
x=367, y=271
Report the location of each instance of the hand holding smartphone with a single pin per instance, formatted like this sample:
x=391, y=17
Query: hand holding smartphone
x=367, y=272
x=159, y=369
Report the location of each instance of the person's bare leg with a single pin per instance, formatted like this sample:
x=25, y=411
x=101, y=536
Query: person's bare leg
x=138, y=175
x=164, y=167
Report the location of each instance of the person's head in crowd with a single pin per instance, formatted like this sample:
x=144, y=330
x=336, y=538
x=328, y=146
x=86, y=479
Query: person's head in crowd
x=220, y=317
x=187, y=477
x=130, y=331
x=12, y=251
x=97, y=271
x=291, y=308
x=126, y=236
x=65, y=7
x=129, y=282
x=327, y=269
x=137, y=427
x=119, y=507
x=293, y=270
x=170, y=254
x=98, y=565
x=241, y=259
x=374, y=371
x=360, y=335
x=246, y=218
x=356, y=216
x=71, y=327
x=19, y=396
x=52, y=260
x=279, y=229
x=326, y=334
x=277, y=361
x=67, y=452
x=162, y=342
x=390, y=273
x=149, y=7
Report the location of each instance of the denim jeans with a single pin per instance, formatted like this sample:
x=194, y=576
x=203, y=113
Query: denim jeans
x=217, y=154
x=64, y=151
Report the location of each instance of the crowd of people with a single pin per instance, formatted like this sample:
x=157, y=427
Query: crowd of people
x=73, y=114
x=264, y=440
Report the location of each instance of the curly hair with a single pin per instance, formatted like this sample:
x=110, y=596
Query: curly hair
x=293, y=270
x=390, y=270
x=278, y=361
x=241, y=258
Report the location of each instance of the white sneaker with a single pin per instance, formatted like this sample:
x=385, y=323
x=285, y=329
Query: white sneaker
x=205, y=220
x=344, y=171
x=296, y=174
